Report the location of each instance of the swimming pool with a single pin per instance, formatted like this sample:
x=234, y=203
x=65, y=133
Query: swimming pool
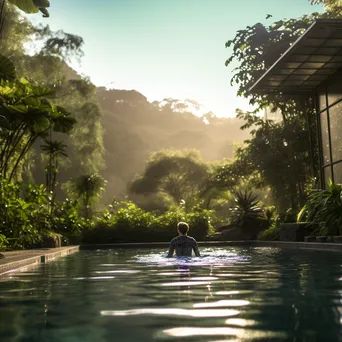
x=231, y=294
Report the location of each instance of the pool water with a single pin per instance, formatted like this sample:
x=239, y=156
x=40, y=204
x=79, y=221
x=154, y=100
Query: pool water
x=230, y=294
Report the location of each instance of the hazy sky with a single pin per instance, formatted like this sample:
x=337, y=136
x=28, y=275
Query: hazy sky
x=165, y=48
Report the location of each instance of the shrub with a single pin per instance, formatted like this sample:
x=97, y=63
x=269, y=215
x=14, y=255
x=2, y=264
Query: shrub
x=131, y=224
x=3, y=242
x=246, y=212
x=26, y=217
x=67, y=221
x=324, y=207
x=23, y=214
x=270, y=234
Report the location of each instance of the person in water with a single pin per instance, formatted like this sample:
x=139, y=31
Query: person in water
x=183, y=244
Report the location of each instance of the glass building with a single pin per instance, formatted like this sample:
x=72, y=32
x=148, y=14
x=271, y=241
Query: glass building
x=313, y=64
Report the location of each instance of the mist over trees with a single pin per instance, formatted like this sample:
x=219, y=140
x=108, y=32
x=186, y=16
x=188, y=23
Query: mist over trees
x=134, y=128
x=105, y=164
x=116, y=130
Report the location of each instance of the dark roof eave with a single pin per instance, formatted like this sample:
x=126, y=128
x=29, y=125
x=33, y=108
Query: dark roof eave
x=284, y=55
x=257, y=86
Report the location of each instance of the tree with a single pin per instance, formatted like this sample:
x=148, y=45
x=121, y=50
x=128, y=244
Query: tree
x=27, y=6
x=87, y=188
x=181, y=175
x=54, y=150
x=332, y=6
x=276, y=150
x=48, y=68
x=26, y=116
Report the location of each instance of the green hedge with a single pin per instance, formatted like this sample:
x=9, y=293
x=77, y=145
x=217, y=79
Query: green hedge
x=131, y=224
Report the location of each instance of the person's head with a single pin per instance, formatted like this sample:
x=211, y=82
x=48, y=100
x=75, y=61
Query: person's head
x=182, y=228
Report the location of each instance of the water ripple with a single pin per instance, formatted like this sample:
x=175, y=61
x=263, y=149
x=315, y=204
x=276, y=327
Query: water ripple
x=229, y=294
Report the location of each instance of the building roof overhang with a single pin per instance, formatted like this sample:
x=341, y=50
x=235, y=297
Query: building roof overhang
x=311, y=60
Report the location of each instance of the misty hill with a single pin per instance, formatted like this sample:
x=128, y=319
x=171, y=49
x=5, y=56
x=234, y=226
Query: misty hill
x=134, y=127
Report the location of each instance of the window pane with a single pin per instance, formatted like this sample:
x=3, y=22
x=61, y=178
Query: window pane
x=334, y=93
x=325, y=138
x=322, y=100
x=327, y=175
x=335, y=114
x=338, y=173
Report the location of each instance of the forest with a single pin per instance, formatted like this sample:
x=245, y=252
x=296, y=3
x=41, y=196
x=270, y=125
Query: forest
x=87, y=164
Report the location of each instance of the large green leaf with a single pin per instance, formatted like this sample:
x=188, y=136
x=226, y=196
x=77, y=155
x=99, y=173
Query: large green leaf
x=7, y=68
x=28, y=6
x=32, y=6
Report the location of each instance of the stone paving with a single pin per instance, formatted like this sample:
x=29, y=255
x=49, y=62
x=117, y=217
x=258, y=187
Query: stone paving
x=14, y=260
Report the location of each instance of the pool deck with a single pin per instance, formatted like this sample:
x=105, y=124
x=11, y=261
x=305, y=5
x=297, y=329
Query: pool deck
x=16, y=261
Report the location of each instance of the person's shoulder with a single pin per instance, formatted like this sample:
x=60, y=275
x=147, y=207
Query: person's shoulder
x=174, y=239
x=191, y=238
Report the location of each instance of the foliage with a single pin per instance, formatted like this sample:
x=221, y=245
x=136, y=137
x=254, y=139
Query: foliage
x=67, y=221
x=270, y=234
x=23, y=214
x=179, y=174
x=26, y=116
x=331, y=6
x=142, y=128
x=256, y=48
x=26, y=219
x=32, y=6
x=87, y=189
x=55, y=150
x=7, y=69
x=129, y=223
x=282, y=153
x=3, y=242
x=270, y=213
x=246, y=211
x=325, y=208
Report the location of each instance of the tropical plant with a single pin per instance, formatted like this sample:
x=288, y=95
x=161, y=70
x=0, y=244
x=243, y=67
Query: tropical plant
x=24, y=216
x=26, y=116
x=324, y=207
x=54, y=150
x=245, y=212
x=67, y=221
x=88, y=189
x=270, y=234
x=3, y=243
x=32, y=6
x=270, y=213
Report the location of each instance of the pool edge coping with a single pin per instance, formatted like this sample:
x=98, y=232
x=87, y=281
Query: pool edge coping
x=29, y=258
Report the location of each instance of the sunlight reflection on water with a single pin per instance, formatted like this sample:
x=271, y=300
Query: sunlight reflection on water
x=174, y=311
x=245, y=335
x=232, y=294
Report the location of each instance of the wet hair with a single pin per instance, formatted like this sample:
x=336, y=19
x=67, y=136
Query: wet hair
x=183, y=227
